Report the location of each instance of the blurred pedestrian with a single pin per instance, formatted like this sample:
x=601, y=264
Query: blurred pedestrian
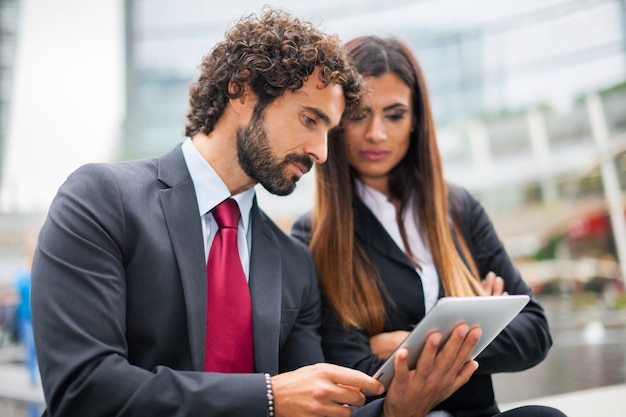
x=23, y=313
x=9, y=332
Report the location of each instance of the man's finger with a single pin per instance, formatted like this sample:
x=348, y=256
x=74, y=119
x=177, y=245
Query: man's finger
x=464, y=375
x=428, y=355
x=400, y=365
x=450, y=349
x=355, y=381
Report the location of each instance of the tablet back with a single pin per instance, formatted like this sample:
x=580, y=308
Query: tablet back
x=491, y=314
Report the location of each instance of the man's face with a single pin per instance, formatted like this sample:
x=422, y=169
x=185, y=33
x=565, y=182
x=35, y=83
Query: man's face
x=258, y=161
x=281, y=142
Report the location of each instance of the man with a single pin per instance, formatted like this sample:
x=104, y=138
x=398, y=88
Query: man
x=124, y=294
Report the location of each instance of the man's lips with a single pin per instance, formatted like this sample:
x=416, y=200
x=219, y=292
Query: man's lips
x=301, y=163
x=374, y=155
x=303, y=169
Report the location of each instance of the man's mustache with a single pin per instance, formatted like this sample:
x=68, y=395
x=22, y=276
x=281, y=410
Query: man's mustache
x=300, y=159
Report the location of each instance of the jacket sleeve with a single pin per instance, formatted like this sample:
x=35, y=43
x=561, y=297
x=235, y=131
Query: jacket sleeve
x=342, y=346
x=345, y=347
x=525, y=342
x=301, y=229
x=79, y=295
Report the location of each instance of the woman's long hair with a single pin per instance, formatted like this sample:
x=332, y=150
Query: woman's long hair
x=347, y=276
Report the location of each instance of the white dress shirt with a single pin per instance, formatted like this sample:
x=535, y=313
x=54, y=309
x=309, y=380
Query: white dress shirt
x=385, y=211
x=210, y=191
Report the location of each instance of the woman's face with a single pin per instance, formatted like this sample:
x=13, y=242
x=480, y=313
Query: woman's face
x=377, y=139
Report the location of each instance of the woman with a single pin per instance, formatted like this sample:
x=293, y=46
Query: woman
x=390, y=237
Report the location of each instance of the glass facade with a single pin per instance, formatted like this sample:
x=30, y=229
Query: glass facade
x=8, y=33
x=478, y=63
x=508, y=82
x=504, y=78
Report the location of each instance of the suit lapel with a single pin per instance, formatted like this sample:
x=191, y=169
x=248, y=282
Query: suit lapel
x=265, y=292
x=180, y=209
x=368, y=229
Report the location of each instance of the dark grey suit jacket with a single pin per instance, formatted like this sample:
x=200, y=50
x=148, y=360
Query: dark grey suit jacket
x=119, y=299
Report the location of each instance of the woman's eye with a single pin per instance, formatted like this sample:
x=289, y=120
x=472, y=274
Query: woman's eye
x=396, y=116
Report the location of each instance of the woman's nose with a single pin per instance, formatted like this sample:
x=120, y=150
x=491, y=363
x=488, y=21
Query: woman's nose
x=376, y=131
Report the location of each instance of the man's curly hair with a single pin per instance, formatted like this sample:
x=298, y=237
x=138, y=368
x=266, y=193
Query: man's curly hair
x=270, y=54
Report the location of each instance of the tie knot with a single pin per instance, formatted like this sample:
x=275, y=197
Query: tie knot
x=226, y=213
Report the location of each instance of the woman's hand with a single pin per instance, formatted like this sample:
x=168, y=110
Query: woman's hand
x=493, y=284
x=383, y=344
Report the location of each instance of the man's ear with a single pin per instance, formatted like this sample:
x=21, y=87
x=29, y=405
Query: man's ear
x=242, y=98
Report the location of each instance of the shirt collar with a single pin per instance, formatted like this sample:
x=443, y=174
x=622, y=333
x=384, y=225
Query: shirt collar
x=377, y=202
x=210, y=189
x=385, y=212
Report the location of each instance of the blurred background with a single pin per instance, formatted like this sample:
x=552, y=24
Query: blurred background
x=529, y=98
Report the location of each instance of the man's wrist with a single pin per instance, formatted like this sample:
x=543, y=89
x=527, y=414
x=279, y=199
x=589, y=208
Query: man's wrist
x=270, y=395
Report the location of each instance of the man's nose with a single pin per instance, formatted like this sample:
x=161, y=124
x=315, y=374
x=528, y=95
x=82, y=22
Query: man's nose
x=317, y=149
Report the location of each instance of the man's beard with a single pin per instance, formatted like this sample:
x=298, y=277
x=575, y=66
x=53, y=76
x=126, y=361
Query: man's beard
x=258, y=161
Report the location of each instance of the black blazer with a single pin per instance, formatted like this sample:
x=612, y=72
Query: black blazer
x=119, y=299
x=522, y=344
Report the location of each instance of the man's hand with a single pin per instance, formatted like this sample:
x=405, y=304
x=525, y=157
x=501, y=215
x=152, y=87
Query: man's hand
x=321, y=390
x=439, y=372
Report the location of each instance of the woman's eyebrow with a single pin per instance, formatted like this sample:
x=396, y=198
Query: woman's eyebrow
x=395, y=106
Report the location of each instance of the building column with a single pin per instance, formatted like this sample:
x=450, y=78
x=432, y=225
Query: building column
x=610, y=179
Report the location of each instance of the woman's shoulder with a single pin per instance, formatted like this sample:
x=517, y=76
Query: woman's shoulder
x=301, y=229
x=459, y=195
x=465, y=209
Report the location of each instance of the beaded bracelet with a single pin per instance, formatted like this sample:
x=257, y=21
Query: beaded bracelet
x=270, y=395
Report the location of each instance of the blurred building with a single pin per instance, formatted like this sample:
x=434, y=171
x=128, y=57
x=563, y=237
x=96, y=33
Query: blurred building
x=511, y=85
x=490, y=58
x=508, y=82
x=8, y=29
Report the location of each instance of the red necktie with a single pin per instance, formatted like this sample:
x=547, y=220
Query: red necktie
x=229, y=346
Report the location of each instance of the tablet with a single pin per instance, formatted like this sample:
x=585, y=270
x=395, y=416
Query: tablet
x=491, y=314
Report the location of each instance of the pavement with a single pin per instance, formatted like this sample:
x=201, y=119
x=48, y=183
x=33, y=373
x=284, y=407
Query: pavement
x=15, y=386
x=602, y=401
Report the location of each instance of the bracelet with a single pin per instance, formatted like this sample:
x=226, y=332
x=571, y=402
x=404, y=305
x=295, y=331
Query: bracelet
x=270, y=395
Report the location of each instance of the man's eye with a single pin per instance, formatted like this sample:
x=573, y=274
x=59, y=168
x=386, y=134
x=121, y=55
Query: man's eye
x=309, y=121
